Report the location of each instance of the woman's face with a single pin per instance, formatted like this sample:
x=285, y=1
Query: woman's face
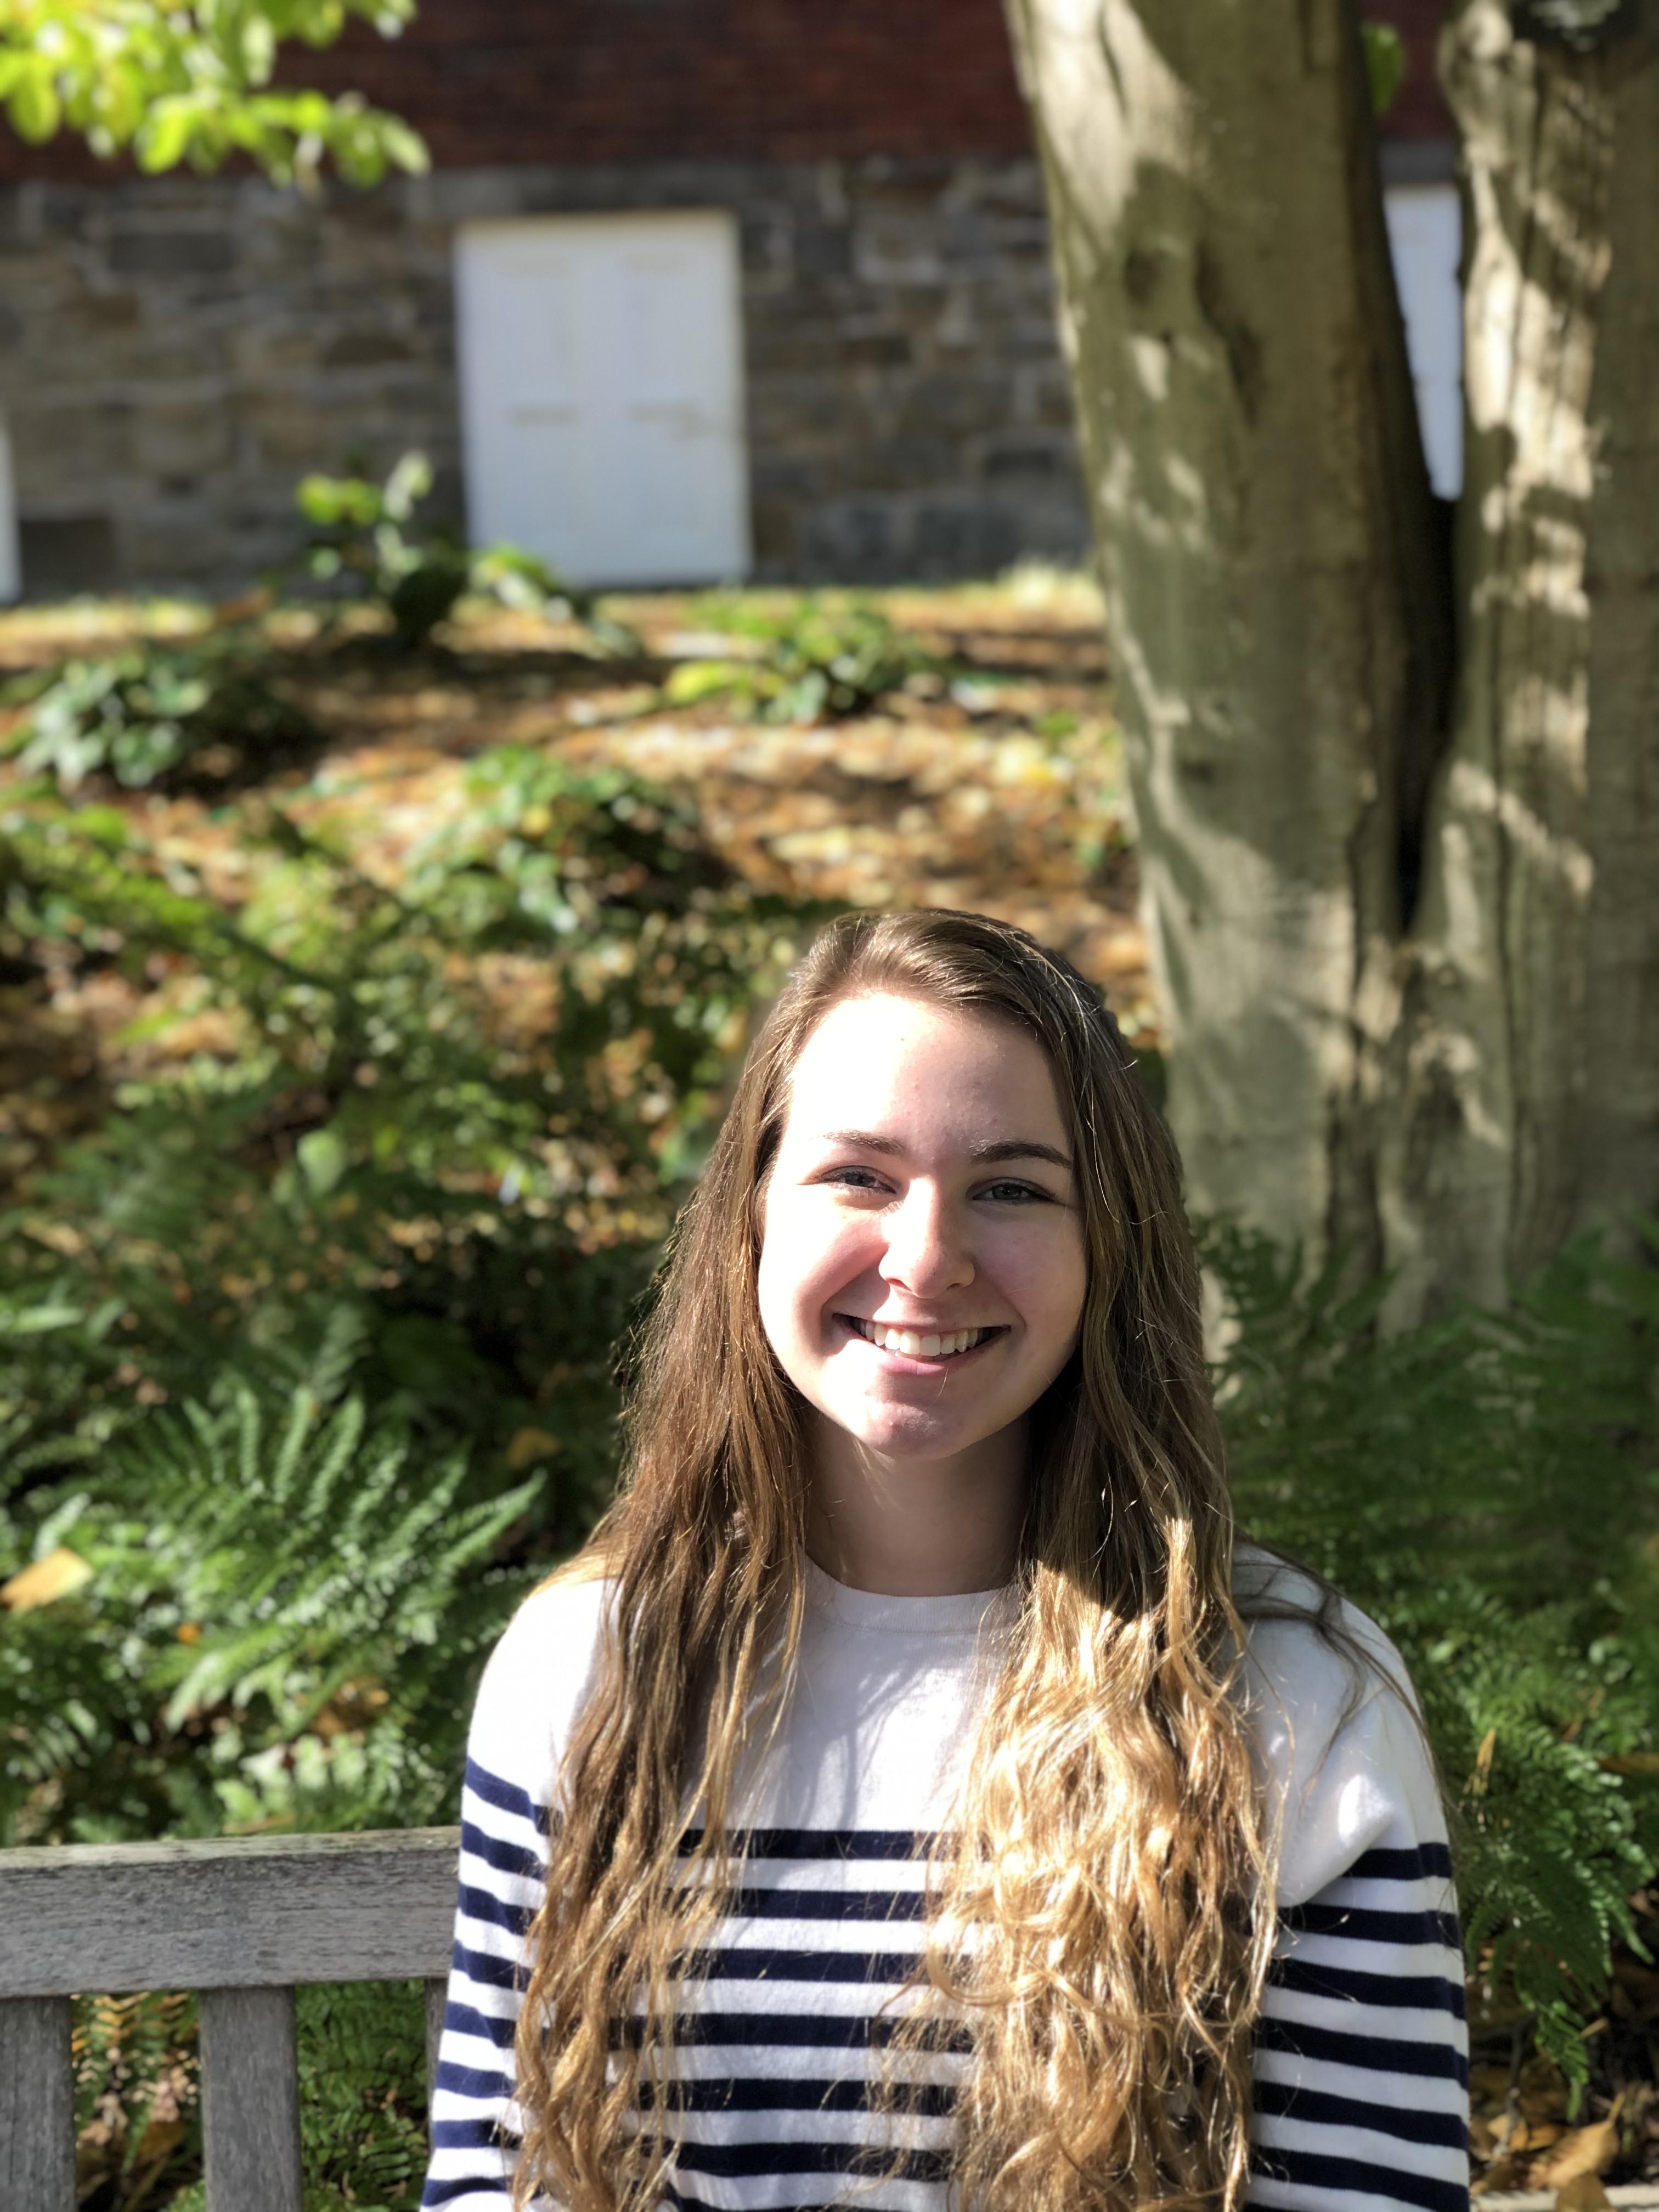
x=922, y=1270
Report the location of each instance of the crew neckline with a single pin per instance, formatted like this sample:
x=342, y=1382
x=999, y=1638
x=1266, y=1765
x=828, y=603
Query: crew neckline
x=962, y=1611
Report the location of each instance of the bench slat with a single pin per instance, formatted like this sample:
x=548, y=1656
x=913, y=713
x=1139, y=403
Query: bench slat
x=37, y=2105
x=437, y=1998
x=251, y=2101
x=229, y=1912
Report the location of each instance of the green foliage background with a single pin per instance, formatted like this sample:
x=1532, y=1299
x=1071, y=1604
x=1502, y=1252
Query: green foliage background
x=191, y=80
x=308, y=1370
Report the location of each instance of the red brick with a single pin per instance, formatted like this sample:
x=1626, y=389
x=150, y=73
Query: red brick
x=588, y=81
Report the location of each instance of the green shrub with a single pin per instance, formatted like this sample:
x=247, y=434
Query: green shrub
x=383, y=1197
x=363, y=2096
x=808, y=661
x=364, y=544
x=149, y=712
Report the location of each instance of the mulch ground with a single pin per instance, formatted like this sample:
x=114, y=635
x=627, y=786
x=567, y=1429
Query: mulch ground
x=995, y=784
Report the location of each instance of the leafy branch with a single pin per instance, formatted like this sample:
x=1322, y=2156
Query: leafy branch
x=194, y=82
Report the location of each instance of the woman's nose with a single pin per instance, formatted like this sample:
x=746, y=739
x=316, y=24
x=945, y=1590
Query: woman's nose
x=927, y=1249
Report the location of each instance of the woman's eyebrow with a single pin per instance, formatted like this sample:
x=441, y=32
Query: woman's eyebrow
x=1005, y=1148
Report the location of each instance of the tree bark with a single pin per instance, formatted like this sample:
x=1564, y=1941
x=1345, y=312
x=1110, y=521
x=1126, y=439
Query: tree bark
x=1403, y=914
x=1267, y=545
x=1618, y=1146
x=1529, y=1086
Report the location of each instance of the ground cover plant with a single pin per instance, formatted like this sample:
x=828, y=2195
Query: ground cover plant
x=346, y=1091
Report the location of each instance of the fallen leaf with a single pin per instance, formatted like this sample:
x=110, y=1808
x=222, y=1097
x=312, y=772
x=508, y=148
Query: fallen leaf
x=1630, y=1762
x=528, y=1445
x=1586, y=2194
x=54, y=1577
x=1582, y=2154
x=159, y=2140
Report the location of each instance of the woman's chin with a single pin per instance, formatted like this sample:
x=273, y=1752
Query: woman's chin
x=910, y=1433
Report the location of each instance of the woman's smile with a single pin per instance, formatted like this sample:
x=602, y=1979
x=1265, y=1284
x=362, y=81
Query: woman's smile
x=917, y=1343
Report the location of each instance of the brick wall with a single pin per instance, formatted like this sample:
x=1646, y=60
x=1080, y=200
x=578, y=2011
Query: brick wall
x=491, y=82
x=534, y=81
x=1419, y=111
x=538, y=81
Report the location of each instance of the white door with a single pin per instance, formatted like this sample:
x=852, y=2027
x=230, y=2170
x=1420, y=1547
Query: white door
x=1425, y=236
x=601, y=368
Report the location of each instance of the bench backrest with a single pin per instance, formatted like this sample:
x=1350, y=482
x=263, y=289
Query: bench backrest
x=241, y=1919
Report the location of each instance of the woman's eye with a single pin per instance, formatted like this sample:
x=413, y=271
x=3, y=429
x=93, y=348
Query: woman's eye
x=1016, y=1193
x=854, y=1179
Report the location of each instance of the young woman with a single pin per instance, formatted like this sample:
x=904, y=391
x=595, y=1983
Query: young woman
x=912, y=1797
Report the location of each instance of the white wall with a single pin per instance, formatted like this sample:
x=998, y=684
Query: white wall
x=1424, y=231
x=11, y=578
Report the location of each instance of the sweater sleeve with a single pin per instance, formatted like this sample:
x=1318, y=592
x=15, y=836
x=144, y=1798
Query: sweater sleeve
x=529, y=1695
x=1362, y=2053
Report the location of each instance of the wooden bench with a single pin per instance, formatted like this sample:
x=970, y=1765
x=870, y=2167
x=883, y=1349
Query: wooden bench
x=242, y=1920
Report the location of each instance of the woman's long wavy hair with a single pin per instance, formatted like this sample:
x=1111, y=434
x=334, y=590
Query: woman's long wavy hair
x=1109, y=1851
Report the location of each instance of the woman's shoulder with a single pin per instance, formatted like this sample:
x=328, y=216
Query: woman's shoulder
x=535, y=1682
x=1338, y=1739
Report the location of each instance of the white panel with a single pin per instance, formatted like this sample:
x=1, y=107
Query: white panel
x=1425, y=236
x=602, y=394
x=11, y=574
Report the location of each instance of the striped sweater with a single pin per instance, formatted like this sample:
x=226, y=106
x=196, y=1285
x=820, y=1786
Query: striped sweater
x=1360, y=2054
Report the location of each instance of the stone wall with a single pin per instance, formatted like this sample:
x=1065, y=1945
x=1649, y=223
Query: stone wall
x=175, y=353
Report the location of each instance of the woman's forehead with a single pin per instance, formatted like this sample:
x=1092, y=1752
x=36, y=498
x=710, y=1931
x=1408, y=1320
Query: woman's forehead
x=909, y=1060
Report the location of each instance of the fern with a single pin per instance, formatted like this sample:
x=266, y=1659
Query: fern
x=283, y=1613
x=1487, y=1486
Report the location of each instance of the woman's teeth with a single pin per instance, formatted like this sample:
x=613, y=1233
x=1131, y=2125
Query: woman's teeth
x=912, y=1346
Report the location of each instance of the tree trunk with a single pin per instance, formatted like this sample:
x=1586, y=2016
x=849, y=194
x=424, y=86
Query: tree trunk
x=1527, y=1082
x=1267, y=547
x=1395, y=908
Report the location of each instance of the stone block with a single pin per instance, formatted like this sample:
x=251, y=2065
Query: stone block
x=268, y=353
x=173, y=252
x=295, y=432
x=187, y=552
x=1010, y=463
x=823, y=249
x=957, y=406
x=77, y=441
x=65, y=554
x=855, y=541
x=914, y=461
x=889, y=248
x=95, y=316
x=876, y=348
x=181, y=438
x=955, y=537
x=365, y=349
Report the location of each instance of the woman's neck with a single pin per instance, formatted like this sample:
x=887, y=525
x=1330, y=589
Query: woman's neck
x=911, y=1528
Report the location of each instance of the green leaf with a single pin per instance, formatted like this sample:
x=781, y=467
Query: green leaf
x=1385, y=63
x=323, y=1160
x=407, y=486
x=34, y=107
x=404, y=148
x=165, y=136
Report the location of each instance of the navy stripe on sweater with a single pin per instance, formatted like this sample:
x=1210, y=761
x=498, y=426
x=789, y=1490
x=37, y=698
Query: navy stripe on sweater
x=804, y=2073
